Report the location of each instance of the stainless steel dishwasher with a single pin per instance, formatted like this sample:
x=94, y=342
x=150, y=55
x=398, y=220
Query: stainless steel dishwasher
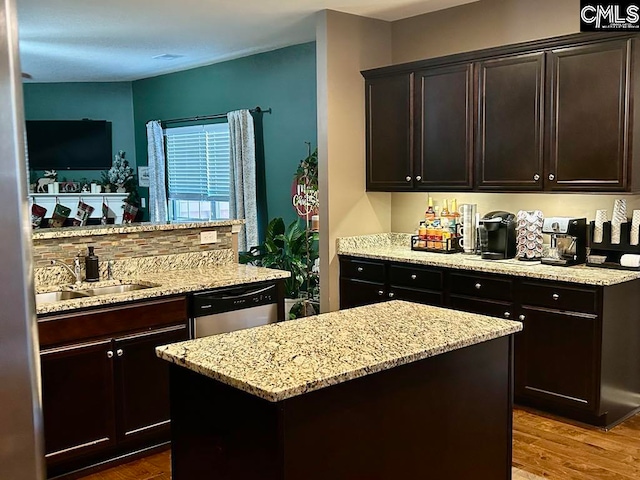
x=236, y=308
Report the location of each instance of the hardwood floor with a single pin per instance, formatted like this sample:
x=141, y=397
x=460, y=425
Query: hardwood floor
x=542, y=447
x=561, y=451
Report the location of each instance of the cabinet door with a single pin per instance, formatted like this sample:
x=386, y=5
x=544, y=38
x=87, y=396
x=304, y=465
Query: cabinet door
x=444, y=127
x=589, y=113
x=558, y=358
x=510, y=145
x=354, y=293
x=143, y=383
x=389, y=114
x=78, y=399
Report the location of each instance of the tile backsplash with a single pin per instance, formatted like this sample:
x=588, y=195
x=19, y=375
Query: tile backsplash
x=120, y=246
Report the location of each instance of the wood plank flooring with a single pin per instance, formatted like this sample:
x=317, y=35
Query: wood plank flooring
x=542, y=447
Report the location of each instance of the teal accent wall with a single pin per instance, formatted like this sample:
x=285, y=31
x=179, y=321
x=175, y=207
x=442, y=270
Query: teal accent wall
x=111, y=101
x=284, y=80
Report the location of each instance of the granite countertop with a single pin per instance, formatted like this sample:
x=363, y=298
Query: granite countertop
x=395, y=247
x=164, y=283
x=95, y=230
x=287, y=359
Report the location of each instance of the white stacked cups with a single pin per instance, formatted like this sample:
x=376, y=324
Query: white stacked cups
x=635, y=228
x=619, y=217
x=469, y=227
x=598, y=227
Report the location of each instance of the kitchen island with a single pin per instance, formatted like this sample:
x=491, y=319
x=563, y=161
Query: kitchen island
x=387, y=391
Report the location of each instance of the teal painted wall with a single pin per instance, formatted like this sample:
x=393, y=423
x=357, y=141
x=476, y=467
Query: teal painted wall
x=284, y=80
x=112, y=101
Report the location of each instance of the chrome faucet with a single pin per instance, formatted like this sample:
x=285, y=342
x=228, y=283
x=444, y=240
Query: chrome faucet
x=76, y=271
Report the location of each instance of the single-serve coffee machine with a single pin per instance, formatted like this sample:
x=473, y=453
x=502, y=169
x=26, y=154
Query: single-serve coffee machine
x=568, y=240
x=497, y=232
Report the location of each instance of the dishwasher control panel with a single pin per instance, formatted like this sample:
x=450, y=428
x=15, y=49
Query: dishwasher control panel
x=227, y=300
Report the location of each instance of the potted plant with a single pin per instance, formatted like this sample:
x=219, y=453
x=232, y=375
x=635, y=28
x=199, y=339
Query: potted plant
x=288, y=249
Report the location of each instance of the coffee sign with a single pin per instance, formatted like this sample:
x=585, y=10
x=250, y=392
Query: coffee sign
x=600, y=17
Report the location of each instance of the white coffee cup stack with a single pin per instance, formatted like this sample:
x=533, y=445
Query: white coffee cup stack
x=598, y=228
x=635, y=228
x=619, y=217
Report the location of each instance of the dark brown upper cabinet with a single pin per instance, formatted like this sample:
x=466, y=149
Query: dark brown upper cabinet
x=444, y=128
x=550, y=115
x=589, y=104
x=510, y=122
x=389, y=115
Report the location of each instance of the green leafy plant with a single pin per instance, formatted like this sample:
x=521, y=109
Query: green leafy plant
x=288, y=249
x=308, y=168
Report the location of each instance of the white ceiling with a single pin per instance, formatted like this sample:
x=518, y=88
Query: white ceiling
x=115, y=40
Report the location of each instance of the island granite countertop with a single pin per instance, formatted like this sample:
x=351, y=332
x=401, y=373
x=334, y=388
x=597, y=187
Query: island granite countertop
x=395, y=247
x=287, y=359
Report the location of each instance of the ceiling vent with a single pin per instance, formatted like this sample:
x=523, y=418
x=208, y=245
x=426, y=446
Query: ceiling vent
x=167, y=56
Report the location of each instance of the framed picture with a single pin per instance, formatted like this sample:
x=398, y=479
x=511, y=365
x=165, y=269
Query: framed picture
x=143, y=177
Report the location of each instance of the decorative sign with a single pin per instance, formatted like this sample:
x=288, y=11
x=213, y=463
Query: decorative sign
x=304, y=197
x=143, y=177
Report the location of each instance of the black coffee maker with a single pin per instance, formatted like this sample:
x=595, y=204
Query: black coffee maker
x=497, y=232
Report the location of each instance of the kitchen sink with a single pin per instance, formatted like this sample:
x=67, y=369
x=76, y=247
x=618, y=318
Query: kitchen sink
x=51, y=297
x=60, y=295
x=112, y=289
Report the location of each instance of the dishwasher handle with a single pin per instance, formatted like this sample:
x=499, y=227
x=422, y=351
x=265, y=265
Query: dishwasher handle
x=241, y=295
x=227, y=300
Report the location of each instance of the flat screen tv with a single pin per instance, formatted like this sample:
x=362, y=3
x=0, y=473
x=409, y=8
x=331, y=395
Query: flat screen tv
x=69, y=144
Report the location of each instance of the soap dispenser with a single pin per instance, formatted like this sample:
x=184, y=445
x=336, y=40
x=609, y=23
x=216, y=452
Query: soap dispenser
x=92, y=271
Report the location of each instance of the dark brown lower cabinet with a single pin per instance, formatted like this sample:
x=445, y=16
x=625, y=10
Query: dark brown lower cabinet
x=578, y=355
x=78, y=400
x=559, y=358
x=143, y=383
x=358, y=292
x=106, y=397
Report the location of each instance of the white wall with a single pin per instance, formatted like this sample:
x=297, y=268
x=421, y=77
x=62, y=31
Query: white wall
x=346, y=44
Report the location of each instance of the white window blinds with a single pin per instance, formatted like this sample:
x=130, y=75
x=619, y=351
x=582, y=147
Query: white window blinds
x=198, y=162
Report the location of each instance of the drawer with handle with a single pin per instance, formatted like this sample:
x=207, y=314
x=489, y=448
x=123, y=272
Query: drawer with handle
x=415, y=277
x=481, y=286
x=362, y=270
x=419, y=296
x=484, y=307
x=559, y=297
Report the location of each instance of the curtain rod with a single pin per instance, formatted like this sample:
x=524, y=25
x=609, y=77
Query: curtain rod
x=209, y=117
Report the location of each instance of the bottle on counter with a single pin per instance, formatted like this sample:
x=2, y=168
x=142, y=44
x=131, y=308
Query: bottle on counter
x=430, y=214
x=445, y=215
x=92, y=270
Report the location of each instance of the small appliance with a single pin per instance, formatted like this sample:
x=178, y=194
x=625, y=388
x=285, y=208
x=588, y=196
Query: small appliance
x=568, y=240
x=497, y=231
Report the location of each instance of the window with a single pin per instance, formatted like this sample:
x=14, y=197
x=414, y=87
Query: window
x=198, y=172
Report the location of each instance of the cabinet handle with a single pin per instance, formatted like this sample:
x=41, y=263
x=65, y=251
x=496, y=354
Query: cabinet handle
x=119, y=352
x=391, y=294
x=418, y=178
x=414, y=276
x=380, y=292
x=522, y=318
x=408, y=178
x=478, y=286
x=360, y=269
x=507, y=315
x=552, y=176
x=536, y=177
x=110, y=354
x=555, y=296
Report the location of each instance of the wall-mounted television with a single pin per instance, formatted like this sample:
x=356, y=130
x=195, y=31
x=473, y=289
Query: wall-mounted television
x=69, y=144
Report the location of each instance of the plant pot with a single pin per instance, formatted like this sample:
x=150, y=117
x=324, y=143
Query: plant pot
x=288, y=305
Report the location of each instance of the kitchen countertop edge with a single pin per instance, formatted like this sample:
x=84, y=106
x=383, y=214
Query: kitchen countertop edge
x=187, y=354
